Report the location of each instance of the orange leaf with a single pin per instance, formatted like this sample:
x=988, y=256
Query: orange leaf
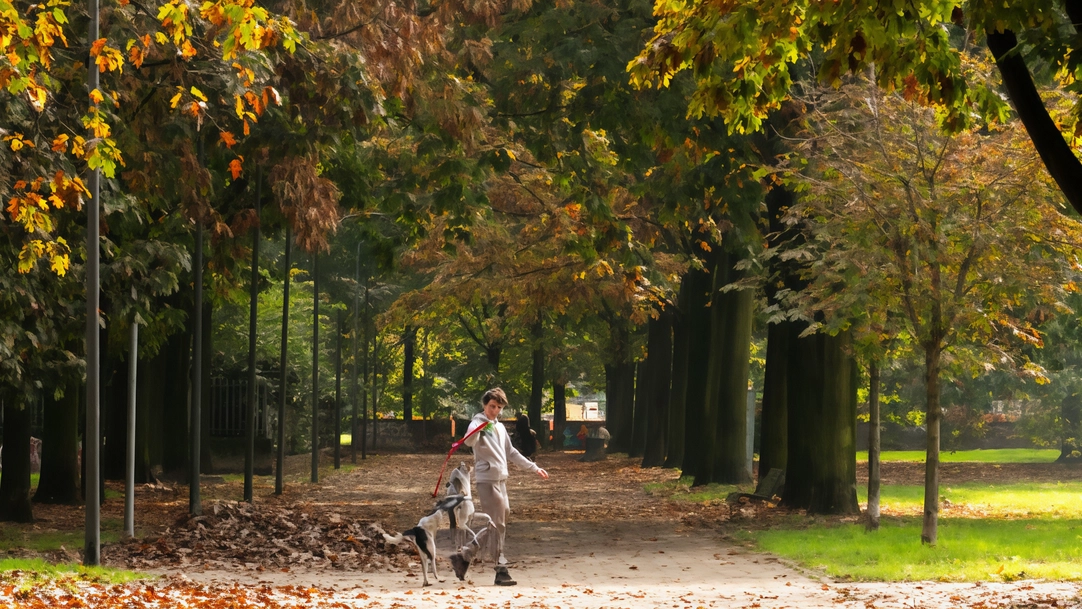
x=227, y=139
x=235, y=167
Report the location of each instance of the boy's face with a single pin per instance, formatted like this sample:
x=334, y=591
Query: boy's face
x=493, y=409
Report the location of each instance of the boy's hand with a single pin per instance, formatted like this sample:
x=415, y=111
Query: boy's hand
x=542, y=473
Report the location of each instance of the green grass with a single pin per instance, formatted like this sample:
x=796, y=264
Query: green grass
x=1014, y=500
x=967, y=550
x=26, y=537
x=36, y=571
x=988, y=532
x=681, y=490
x=994, y=455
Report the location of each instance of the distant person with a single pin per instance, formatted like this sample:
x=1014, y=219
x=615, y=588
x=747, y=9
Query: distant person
x=604, y=435
x=492, y=451
x=525, y=437
x=582, y=435
x=567, y=437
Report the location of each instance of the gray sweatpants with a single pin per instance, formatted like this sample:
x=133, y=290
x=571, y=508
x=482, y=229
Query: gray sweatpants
x=493, y=498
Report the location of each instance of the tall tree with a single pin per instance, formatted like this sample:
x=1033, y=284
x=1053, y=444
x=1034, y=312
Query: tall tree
x=950, y=230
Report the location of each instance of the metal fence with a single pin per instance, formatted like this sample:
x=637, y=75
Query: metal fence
x=229, y=404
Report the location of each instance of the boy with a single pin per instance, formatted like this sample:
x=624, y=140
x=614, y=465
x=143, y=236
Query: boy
x=492, y=450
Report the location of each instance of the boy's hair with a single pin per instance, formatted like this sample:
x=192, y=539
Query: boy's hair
x=494, y=394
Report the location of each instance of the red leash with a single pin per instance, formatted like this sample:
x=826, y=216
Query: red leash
x=454, y=447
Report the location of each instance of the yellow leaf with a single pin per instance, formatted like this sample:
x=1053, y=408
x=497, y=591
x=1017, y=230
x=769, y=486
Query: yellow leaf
x=96, y=97
x=197, y=93
x=176, y=100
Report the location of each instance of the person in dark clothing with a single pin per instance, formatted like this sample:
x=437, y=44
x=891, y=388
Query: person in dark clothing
x=525, y=437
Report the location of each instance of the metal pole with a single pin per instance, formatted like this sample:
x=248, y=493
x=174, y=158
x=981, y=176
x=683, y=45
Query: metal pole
x=253, y=313
x=315, y=367
x=356, y=320
x=92, y=434
x=364, y=410
x=279, y=483
x=338, y=397
x=195, y=503
x=129, y=482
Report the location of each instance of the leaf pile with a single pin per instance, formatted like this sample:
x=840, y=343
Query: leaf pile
x=179, y=592
x=240, y=535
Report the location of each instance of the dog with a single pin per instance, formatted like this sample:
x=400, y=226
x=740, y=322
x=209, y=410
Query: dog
x=458, y=485
x=423, y=536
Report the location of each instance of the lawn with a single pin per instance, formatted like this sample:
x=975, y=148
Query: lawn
x=968, y=549
x=993, y=455
x=1000, y=531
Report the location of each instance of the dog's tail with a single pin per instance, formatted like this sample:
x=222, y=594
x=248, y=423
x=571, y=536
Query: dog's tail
x=394, y=539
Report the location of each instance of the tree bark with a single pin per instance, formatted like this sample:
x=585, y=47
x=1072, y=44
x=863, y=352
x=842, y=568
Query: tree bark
x=696, y=449
x=409, y=339
x=821, y=467
x=872, y=523
x=730, y=451
x=675, y=427
x=930, y=527
x=559, y=411
x=638, y=416
x=1071, y=440
x=774, y=432
x=621, y=399
x=537, y=382
x=15, y=481
x=174, y=405
x=659, y=367
x=59, y=479
x=1059, y=159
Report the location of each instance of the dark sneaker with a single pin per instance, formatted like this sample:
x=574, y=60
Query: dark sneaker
x=503, y=578
x=460, y=566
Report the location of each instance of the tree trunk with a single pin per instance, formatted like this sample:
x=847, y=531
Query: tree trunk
x=15, y=481
x=638, y=411
x=283, y=365
x=821, y=467
x=676, y=429
x=59, y=479
x=659, y=368
x=621, y=399
x=559, y=411
x=872, y=523
x=930, y=529
x=696, y=450
x=409, y=339
x=774, y=434
x=731, y=450
x=1071, y=440
x=173, y=381
x=537, y=382
x=1059, y=159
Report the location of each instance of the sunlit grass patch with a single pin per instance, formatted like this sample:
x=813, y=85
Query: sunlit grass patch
x=993, y=455
x=28, y=572
x=977, y=499
x=681, y=490
x=968, y=549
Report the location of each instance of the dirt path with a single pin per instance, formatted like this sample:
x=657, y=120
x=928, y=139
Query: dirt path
x=590, y=536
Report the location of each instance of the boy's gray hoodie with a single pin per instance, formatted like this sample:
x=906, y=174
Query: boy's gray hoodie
x=492, y=449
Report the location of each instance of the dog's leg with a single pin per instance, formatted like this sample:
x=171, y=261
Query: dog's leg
x=432, y=558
